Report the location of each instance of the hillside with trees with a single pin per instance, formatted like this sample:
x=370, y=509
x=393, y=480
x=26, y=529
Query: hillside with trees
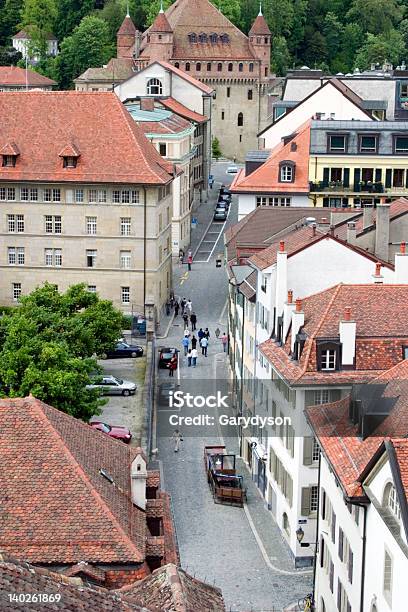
x=335, y=35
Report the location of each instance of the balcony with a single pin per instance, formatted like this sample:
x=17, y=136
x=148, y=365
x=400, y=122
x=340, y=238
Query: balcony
x=338, y=187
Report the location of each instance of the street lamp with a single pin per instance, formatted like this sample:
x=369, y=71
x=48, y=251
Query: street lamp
x=300, y=534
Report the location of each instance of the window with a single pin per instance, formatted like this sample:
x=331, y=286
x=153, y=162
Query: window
x=154, y=87
x=250, y=94
x=209, y=67
x=219, y=67
x=321, y=396
x=79, y=196
x=387, y=577
x=222, y=115
x=391, y=500
x=401, y=144
x=314, y=498
x=69, y=161
x=286, y=174
x=285, y=523
x=343, y=604
x=125, y=259
x=52, y=195
x=192, y=37
x=230, y=67
x=15, y=223
x=53, y=224
x=315, y=451
x=125, y=196
x=53, y=257
x=9, y=161
x=328, y=359
x=125, y=294
x=24, y=194
x=228, y=92
x=96, y=195
x=11, y=194
x=404, y=90
x=240, y=121
x=16, y=292
x=198, y=66
x=91, y=225
x=240, y=67
x=309, y=500
x=202, y=37
x=368, y=143
x=125, y=226
x=92, y=288
x=337, y=143
x=187, y=67
x=163, y=149
x=177, y=65
x=398, y=177
x=213, y=37
x=90, y=258
x=16, y=256
x=33, y=194
x=251, y=67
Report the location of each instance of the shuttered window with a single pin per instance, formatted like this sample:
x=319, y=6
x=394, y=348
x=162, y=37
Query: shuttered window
x=387, y=581
x=333, y=527
x=341, y=541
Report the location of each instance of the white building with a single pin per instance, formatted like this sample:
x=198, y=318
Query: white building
x=22, y=40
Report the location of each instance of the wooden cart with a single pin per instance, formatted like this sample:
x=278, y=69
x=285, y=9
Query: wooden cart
x=226, y=485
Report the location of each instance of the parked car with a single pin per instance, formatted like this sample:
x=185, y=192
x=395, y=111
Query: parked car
x=165, y=355
x=113, y=431
x=123, y=349
x=220, y=214
x=224, y=197
x=225, y=191
x=164, y=393
x=232, y=170
x=110, y=385
x=223, y=204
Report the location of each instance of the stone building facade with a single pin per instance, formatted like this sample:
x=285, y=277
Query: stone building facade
x=199, y=40
x=82, y=192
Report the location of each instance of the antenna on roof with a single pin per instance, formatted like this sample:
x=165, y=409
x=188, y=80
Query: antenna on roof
x=260, y=10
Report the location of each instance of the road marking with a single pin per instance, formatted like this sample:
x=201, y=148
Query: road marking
x=220, y=320
x=184, y=278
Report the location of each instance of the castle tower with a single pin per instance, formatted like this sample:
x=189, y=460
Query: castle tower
x=126, y=38
x=160, y=38
x=260, y=40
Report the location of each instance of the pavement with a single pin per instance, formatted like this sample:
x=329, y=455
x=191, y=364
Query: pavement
x=240, y=550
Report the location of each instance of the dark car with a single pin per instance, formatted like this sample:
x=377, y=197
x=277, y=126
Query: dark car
x=123, y=350
x=113, y=431
x=165, y=355
x=220, y=214
x=225, y=191
x=223, y=204
x=224, y=198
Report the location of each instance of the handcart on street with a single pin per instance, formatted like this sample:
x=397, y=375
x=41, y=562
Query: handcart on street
x=225, y=484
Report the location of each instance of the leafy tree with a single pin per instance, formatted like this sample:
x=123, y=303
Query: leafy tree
x=113, y=13
x=375, y=16
x=10, y=17
x=280, y=55
x=47, y=347
x=151, y=9
x=298, y=25
x=216, y=149
x=279, y=14
x=9, y=56
x=40, y=13
x=333, y=32
x=230, y=8
x=88, y=46
x=70, y=13
x=388, y=46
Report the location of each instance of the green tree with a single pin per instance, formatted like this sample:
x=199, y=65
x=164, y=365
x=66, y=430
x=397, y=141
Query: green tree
x=216, y=149
x=333, y=32
x=298, y=25
x=47, y=347
x=113, y=13
x=279, y=14
x=151, y=9
x=375, y=16
x=40, y=13
x=88, y=46
x=70, y=13
x=231, y=9
x=388, y=46
x=280, y=55
x=10, y=17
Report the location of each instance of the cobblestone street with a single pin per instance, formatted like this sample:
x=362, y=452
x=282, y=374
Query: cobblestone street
x=238, y=549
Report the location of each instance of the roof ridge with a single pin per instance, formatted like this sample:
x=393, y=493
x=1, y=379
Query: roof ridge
x=37, y=404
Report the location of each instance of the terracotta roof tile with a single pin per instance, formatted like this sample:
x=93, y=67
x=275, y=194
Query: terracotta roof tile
x=260, y=27
x=182, y=110
x=113, y=148
x=59, y=508
x=15, y=76
x=160, y=24
x=401, y=453
x=127, y=28
x=397, y=208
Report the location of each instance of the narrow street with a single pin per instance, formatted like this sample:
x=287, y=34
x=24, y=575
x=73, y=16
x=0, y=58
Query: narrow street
x=219, y=544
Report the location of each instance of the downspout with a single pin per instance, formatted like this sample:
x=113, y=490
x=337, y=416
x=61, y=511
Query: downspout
x=363, y=559
x=317, y=533
x=144, y=249
x=242, y=373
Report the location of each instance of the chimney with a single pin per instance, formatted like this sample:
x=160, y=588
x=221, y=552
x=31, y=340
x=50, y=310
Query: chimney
x=313, y=229
x=331, y=230
x=367, y=216
x=281, y=288
x=138, y=480
x=138, y=42
x=298, y=320
x=347, y=333
x=382, y=231
x=287, y=314
x=401, y=266
x=377, y=276
x=351, y=232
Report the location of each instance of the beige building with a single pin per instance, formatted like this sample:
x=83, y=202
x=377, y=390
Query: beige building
x=84, y=197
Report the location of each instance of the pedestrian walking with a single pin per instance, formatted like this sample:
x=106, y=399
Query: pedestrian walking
x=204, y=346
x=183, y=305
x=186, y=333
x=189, y=357
x=172, y=300
x=172, y=365
x=193, y=342
x=176, y=308
x=185, y=342
x=217, y=332
x=200, y=334
x=189, y=306
x=177, y=438
x=185, y=319
x=193, y=320
x=207, y=334
x=224, y=340
x=189, y=260
x=181, y=257
x=168, y=307
x=194, y=355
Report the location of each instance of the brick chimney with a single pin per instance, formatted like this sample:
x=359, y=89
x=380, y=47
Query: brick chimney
x=281, y=287
x=347, y=333
x=289, y=307
x=377, y=276
x=382, y=231
x=138, y=480
x=401, y=265
x=298, y=320
x=351, y=232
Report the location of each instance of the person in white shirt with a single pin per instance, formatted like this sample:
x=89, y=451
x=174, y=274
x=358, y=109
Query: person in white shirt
x=194, y=357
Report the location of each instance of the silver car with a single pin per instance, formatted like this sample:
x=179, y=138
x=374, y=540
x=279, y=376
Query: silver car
x=110, y=385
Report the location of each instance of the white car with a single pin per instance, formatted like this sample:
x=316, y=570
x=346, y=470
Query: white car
x=232, y=170
x=110, y=385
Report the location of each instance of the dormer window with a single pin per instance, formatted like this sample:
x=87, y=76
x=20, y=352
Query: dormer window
x=9, y=155
x=287, y=171
x=392, y=501
x=70, y=154
x=9, y=161
x=328, y=359
x=328, y=356
x=70, y=161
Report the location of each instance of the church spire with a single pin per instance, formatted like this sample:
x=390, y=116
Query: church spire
x=260, y=10
x=161, y=7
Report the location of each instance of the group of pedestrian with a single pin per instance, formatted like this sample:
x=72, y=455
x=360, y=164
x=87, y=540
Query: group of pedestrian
x=189, y=258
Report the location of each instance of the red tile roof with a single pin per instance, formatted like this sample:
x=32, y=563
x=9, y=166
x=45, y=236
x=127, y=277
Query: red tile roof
x=347, y=453
x=186, y=16
x=127, y=28
x=382, y=328
x=398, y=208
x=260, y=27
x=15, y=76
x=183, y=111
x=184, y=75
x=113, y=147
x=266, y=179
x=171, y=588
x=160, y=24
x=57, y=507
